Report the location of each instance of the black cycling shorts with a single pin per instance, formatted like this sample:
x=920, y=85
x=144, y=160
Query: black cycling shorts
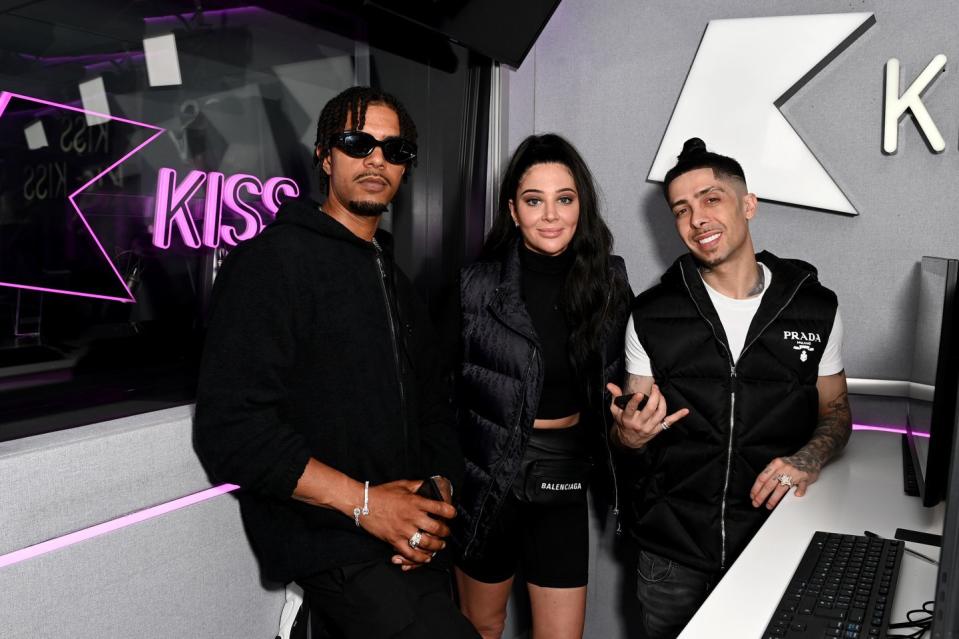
x=550, y=542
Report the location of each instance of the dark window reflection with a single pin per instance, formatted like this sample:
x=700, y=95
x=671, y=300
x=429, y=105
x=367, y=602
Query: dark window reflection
x=140, y=141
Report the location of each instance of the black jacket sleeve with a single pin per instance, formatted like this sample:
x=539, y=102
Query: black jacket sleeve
x=441, y=450
x=239, y=434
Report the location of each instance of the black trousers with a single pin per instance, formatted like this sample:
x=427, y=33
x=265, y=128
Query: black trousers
x=379, y=601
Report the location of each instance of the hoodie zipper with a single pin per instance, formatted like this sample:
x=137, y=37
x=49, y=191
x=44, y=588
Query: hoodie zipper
x=732, y=395
x=381, y=267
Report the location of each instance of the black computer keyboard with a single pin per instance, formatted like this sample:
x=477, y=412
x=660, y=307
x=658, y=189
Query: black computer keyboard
x=843, y=587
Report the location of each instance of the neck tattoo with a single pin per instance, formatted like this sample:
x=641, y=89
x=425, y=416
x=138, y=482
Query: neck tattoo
x=760, y=281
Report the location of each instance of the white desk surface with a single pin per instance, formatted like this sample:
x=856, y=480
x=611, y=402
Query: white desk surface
x=861, y=490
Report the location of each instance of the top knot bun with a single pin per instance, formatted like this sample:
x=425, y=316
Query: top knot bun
x=693, y=146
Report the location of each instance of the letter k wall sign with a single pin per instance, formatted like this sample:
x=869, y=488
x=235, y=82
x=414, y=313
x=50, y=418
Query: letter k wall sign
x=744, y=71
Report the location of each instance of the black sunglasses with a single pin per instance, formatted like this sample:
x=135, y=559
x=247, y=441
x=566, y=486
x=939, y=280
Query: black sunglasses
x=359, y=144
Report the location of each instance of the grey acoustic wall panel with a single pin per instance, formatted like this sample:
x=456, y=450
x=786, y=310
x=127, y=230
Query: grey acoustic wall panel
x=607, y=74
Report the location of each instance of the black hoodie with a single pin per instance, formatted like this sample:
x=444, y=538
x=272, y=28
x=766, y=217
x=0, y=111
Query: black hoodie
x=317, y=346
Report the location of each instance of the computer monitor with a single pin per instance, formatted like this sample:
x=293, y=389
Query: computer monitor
x=931, y=413
x=945, y=617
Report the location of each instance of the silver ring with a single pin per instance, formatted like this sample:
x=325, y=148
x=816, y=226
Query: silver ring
x=415, y=540
x=785, y=480
x=664, y=425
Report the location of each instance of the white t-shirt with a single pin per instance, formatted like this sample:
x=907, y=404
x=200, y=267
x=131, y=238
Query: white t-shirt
x=736, y=316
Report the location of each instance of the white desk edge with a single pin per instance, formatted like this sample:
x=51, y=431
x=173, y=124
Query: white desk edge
x=860, y=490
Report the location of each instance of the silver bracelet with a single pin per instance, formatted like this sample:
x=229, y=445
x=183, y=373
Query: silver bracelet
x=365, y=510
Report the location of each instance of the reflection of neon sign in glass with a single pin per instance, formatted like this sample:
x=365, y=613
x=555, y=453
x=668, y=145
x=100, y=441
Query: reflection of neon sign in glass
x=173, y=206
x=154, y=131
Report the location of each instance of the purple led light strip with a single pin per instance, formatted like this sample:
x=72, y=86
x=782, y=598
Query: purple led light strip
x=4, y=101
x=109, y=526
x=888, y=429
x=214, y=13
x=155, y=511
x=80, y=59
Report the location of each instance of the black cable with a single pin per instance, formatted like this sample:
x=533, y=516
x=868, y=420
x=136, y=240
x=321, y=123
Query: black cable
x=921, y=624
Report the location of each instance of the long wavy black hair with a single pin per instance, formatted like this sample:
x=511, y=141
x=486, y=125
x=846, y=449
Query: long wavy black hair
x=592, y=288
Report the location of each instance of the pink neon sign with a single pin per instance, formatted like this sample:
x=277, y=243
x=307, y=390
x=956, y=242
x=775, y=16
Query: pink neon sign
x=173, y=211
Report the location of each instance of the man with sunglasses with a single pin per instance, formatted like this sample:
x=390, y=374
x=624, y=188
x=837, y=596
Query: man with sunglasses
x=322, y=397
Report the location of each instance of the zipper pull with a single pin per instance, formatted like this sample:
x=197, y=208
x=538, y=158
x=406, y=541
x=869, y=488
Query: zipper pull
x=379, y=259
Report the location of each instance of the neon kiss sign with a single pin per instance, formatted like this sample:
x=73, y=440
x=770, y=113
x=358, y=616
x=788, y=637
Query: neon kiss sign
x=173, y=206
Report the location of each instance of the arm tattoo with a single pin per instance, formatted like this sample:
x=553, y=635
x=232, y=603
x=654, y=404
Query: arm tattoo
x=828, y=439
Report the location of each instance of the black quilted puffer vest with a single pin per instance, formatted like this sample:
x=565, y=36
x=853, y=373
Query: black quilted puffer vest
x=499, y=386
x=690, y=487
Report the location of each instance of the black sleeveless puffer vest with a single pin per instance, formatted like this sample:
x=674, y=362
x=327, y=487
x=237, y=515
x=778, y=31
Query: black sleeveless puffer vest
x=690, y=486
x=499, y=386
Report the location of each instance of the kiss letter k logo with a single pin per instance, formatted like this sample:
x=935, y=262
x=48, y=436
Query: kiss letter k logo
x=173, y=207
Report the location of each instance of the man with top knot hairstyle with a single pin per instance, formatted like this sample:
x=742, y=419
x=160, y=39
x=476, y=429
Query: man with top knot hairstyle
x=738, y=358
x=321, y=394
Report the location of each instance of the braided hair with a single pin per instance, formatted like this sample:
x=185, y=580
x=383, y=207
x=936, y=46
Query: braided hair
x=352, y=104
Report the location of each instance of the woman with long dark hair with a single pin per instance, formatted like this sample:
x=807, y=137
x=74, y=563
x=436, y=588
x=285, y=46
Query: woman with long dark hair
x=543, y=313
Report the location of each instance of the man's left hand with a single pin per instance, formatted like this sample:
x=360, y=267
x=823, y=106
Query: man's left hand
x=446, y=489
x=776, y=479
x=802, y=468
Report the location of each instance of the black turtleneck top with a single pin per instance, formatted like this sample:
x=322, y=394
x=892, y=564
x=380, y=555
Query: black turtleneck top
x=542, y=279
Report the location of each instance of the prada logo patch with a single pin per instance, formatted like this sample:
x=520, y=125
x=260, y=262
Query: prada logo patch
x=802, y=342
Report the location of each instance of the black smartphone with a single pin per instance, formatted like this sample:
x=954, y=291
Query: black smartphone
x=622, y=400
x=430, y=490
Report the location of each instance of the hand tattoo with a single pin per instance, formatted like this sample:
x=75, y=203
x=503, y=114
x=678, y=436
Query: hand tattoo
x=827, y=440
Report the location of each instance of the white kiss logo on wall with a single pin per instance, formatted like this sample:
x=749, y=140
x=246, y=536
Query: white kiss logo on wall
x=744, y=71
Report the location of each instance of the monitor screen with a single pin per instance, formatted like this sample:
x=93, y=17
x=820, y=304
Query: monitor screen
x=945, y=617
x=934, y=373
